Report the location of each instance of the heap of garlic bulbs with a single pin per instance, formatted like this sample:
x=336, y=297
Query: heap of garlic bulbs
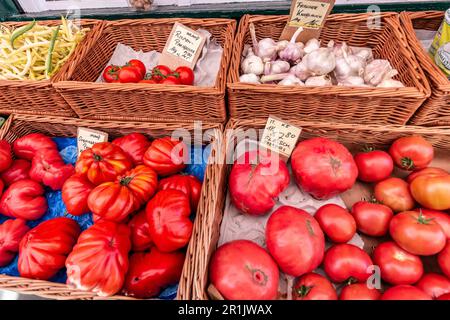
x=296, y=63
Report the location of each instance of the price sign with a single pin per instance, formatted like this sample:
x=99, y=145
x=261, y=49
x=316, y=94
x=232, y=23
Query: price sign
x=86, y=138
x=280, y=136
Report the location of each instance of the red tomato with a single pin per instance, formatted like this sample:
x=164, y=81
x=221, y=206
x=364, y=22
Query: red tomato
x=412, y=152
x=168, y=218
x=49, y=168
x=19, y=170
x=129, y=75
x=11, y=232
x=372, y=218
x=44, y=249
x=151, y=272
x=114, y=201
x=5, y=155
x=295, y=240
x=394, y=193
x=171, y=80
x=160, y=72
x=416, y=234
x=103, y=162
x=75, y=192
x=140, y=232
x=138, y=65
x=337, y=223
x=24, y=199
x=322, y=167
x=433, y=284
x=166, y=156
x=397, y=266
x=242, y=270
x=149, y=81
x=134, y=145
x=188, y=184
x=26, y=146
x=374, y=165
x=111, y=73
x=429, y=171
x=442, y=218
x=444, y=260
x=313, y=286
x=104, y=246
x=346, y=262
x=255, y=182
x=359, y=291
x=185, y=74
x=404, y=292
x=432, y=191
x=444, y=297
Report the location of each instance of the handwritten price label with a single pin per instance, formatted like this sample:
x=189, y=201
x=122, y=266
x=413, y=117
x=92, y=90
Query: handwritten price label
x=280, y=136
x=86, y=138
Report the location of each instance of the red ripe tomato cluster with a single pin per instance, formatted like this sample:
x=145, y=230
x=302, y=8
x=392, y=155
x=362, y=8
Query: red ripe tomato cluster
x=409, y=211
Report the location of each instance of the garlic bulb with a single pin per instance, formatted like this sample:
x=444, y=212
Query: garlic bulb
x=300, y=71
x=282, y=44
x=312, y=45
x=390, y=83
x=252, y=64
x=377, y=71
x=320, y=62
x=249, y=78
x=276, y=67
x=291, y=80
x=340, y=49
x=352, y=81
x=266, y=48
x=319, y=81
x=364, y=53
x=293, y=51
x=348, y=65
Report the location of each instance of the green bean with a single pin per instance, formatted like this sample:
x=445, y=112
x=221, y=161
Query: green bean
x=20, y=31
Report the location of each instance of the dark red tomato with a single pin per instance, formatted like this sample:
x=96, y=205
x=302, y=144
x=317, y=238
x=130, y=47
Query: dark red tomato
x=11, y=232
x=444, y=297
x=139, y=65
x=111, y=73
x=442, y=218
x=159, y=73
x=372, y=218
x=337, y=223
x=19, y=170
x=346, y=262
x=242, y=270
x=171, y=80
x=313, y=286
x=374, y=165
x=429, y=171
x=185, y=75
x=444, y=260
x=188, y=184
x=412, y=152
x=416, y=234
x=397, y=266
x=129, y=75
x=359, y=291
x=134, y=145
x=394, y=193
x=75, y=193
x=27, y=146
x=5, y=155
x=434, y=285
x=140, y=232
x=404, y=292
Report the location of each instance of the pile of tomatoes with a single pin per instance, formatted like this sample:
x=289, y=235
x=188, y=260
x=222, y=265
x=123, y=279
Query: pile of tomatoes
x=141, y=225
x=134, y=71
x=407, y=218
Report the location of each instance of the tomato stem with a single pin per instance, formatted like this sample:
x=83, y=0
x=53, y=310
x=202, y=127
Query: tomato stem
x=303, y=290
x=407, y=163
x=367, y=148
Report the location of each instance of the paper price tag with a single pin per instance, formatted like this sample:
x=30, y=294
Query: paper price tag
x=280, y=136
x=86, y=138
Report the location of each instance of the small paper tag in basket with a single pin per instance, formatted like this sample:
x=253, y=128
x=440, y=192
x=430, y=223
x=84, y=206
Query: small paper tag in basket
x=86, y=138
x=280, y=137
x=183, y=47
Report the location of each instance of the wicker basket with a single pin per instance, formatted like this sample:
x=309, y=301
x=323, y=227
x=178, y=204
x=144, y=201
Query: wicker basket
x=344, y=104
x=353, y=136
x=144, y=102
x=40, y=97
x=436, y=109
x=20, y=125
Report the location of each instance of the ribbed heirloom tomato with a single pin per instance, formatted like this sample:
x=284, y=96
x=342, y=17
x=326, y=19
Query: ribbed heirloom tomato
x=337, y=223
x=359, y=291
x=188, y=184
x=404, y=292
x=27, y=146
x=412, y=152
x=166, y=156
x=75, y=192
x=134, y=145
x=313, y=286
x=11, y=232
x=434, y=285
x=5, y=155
x=19, y=170
x=373, y=165
x=372, y=218
x=140, y=232
x=394, y=193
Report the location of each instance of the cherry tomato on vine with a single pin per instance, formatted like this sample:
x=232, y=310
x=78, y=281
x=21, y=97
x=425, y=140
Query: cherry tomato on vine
x=138, y=64
x=111, y=73
x=160, y=72
x=171, y=80
x=129, y=74
x=185, y=75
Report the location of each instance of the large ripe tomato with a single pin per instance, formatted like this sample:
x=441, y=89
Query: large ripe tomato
x=185, y=75
x=444, y=260
x=150, y=272
x=44, y=249
x=139, y=65
x=417, y=234
x=372, y=218
x=322, y=167
x=412, y=152
x=242, y=270
x=75, y=192
x=5, y=155
x=49, y=168
x=432, y=191
x=442, y=218
x=404, y=292
x=166, y=156
x=103, y=162
x=337, y=223
x=429, y=171
x=188, y=184
x=99, y=260
x=359, y=291
x=140, y=232
x=346, y=262
x=111, y=73
x=19, y=170
x=397, y=266
x=394, y=193
x=24, y=199
x=374, y=165
x=433, y=284
x=313, y=286
x=256, y=180
x=134, y=145
x=11, y=232
x=168, y=218
x=295, y=240
x=27, y=146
